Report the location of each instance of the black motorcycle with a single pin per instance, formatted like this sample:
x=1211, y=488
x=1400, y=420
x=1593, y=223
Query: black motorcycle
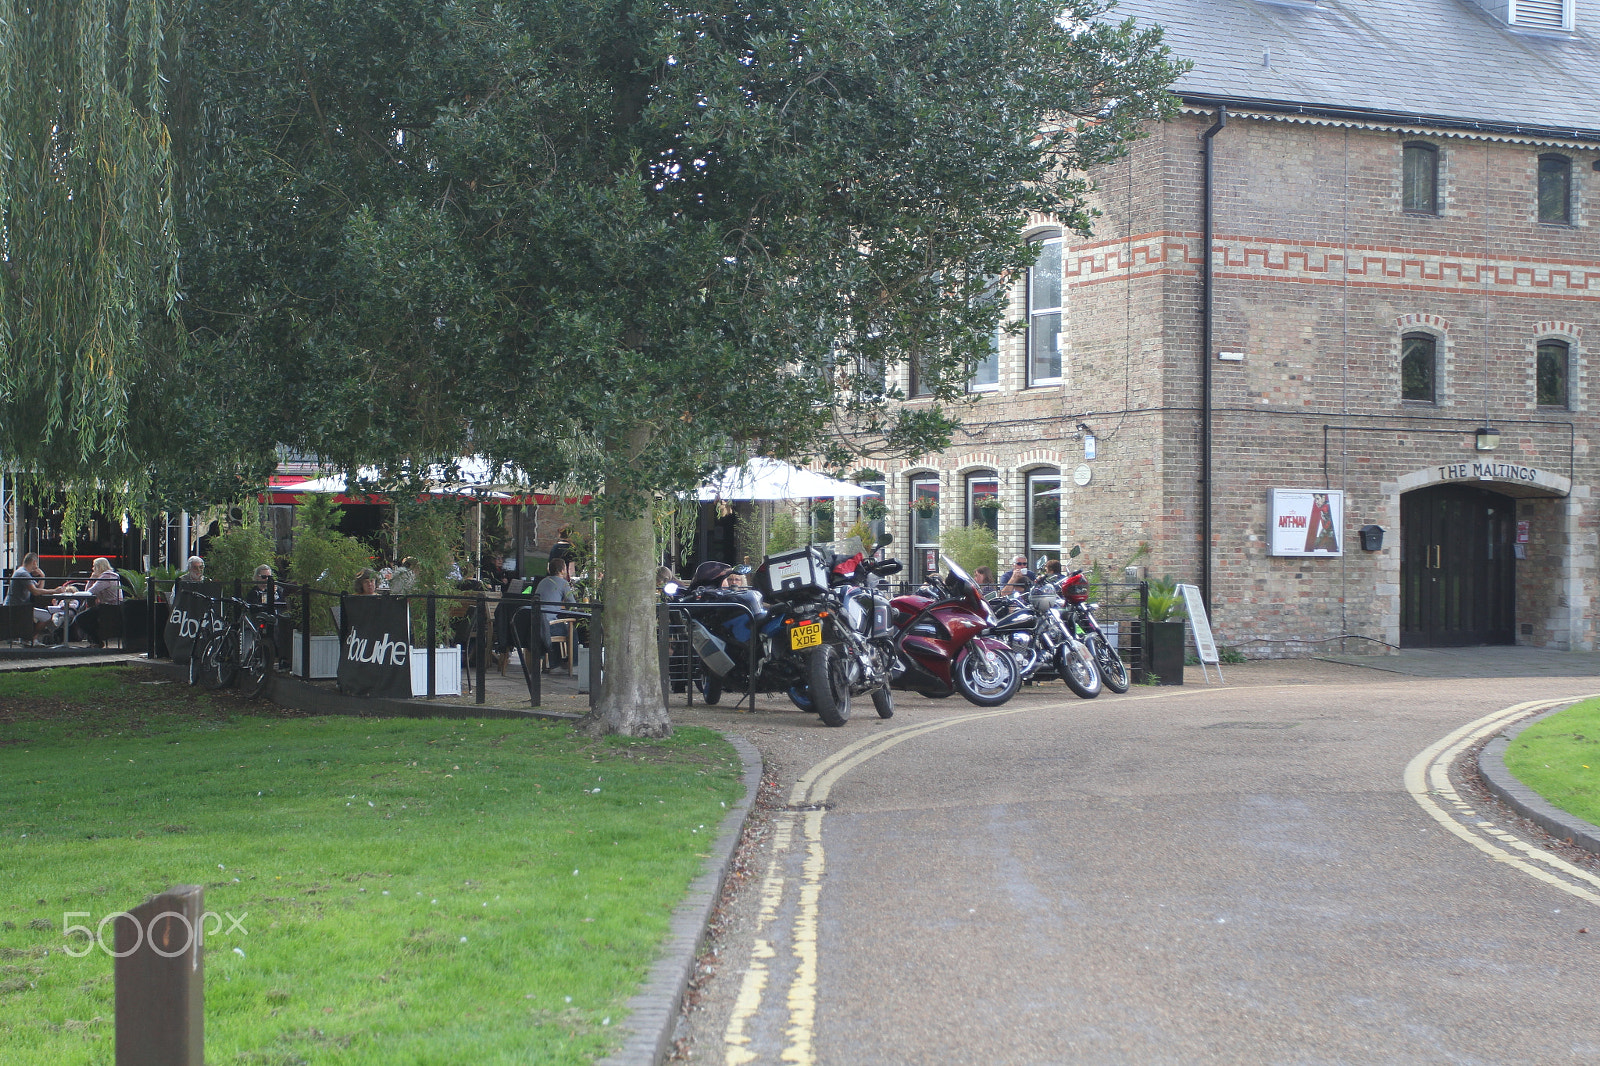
x=1079, y=618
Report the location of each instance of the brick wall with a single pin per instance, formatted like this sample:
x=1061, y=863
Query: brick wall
x=1318, y=274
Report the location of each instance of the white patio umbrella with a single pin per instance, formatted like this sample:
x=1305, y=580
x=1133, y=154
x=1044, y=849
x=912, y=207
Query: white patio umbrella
x=773, y=479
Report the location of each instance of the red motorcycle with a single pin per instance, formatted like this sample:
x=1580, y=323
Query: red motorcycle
x=941, y=639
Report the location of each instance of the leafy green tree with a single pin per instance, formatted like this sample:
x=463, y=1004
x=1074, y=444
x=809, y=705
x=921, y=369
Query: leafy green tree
x=235, y=553
x=621, y=243
x=971, y=547
x=88, y=274
x=323, y=559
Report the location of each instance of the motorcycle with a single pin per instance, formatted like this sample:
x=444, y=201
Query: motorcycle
x=944, y=643
x=743, y=644
x=1042, y=642
x=1079, y=617
x=865, y=643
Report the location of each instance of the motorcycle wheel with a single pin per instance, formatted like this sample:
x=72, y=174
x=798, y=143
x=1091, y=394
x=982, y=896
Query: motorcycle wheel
x=1078, y=671
x=829, y=685
x=1112, y=669
x=883, y=702
x=986, y=691
x=801, y=698
x=710, y=689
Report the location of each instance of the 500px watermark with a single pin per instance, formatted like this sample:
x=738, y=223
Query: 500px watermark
x=163, y=943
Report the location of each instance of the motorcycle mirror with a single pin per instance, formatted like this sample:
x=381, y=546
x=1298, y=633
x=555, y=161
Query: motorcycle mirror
x=741, y=569
x=886, y=539
x=1075, y=552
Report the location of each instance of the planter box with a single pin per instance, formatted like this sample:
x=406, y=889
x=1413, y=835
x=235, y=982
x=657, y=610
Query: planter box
x=1165, y=651
x=446, y=671
x=324, y=656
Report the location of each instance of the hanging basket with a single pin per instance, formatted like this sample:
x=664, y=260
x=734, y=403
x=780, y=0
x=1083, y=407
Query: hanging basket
x=925, y=505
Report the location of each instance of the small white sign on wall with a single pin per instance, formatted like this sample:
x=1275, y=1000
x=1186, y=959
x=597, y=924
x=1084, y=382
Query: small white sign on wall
x=1306, y=522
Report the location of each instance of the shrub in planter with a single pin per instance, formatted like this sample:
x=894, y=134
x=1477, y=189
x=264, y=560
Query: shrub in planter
x=971, y=547
x=323, y=558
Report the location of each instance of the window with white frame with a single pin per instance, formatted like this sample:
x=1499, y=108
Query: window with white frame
x=986, y=375
x=925, y=526
x=983, y=500
x=1044, y=312
x=1044, y=515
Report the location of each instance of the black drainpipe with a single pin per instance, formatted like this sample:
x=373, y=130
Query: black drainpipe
x=1205, y=370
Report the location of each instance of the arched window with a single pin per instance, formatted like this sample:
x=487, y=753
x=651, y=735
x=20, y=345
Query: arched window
x=1418, y=367
x=1044, y=515
x=983, y=499
x=1555, y=189
x=1044, y=312
x=1419, y=191
x=924, y=525
x=1550, y=373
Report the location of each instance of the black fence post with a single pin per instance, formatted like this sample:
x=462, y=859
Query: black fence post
x=663, y=651
x=480, y=651
x=150, y=611
x=433, y=643
x=160, y=981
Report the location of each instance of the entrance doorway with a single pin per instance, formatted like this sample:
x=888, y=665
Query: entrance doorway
x=1457, y=571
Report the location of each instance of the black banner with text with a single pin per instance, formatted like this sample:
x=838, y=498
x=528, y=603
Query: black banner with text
x=196, y=609
x=375, y=648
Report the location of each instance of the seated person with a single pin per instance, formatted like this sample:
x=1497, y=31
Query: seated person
x=27, y=586
x=1020, y=579
x=262, y=586
x=196, y=571
x=554, y=589
x=404, y=577
x=984, y=579
x=366, y=583
x=106, y=585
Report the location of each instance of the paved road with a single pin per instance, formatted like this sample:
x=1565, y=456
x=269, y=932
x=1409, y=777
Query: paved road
x=1233, y=875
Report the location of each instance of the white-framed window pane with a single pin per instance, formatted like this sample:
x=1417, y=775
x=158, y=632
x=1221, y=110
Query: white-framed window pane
x=1044, y=314
x=925, y=526
x=983, y=500
x=986, y=375
x=1044, y=280
x=1044, y=348
x=1044, y=516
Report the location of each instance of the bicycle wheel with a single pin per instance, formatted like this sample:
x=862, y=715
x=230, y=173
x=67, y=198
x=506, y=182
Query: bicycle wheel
x=197, y=652
x=255, y=666
x=219, y=666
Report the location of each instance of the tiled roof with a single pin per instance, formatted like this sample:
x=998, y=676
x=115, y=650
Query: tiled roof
x=1444, y=59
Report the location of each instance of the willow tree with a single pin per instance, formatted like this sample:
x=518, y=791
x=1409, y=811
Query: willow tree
x=88, y=253
x=627, y=240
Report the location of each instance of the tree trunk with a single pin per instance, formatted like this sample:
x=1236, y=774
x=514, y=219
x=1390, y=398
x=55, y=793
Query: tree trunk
x=630, y=701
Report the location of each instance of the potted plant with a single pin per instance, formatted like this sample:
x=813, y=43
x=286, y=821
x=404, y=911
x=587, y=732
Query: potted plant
x=925, y=505
x=1164, y=631
x=988, y=503
x=873, y=509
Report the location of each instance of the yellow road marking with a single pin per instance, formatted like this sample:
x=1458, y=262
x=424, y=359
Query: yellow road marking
x=814, y=787
x=1428, y=777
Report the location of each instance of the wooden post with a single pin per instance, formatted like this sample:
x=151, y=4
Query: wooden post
x=160, y=981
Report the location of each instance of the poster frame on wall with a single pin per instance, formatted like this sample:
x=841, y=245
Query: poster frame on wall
x=1293, y=525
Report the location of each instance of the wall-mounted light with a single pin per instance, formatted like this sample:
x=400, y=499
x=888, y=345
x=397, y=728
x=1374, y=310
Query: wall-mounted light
x=1488, y=439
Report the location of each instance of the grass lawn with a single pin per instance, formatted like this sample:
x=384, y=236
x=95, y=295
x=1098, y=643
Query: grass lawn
x=1559, y=758
x=410, y=891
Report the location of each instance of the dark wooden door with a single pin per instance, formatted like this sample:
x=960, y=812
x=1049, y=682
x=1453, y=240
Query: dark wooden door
x=1457, y=573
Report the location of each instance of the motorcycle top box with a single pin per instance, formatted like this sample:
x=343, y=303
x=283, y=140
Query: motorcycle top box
x=792, y=575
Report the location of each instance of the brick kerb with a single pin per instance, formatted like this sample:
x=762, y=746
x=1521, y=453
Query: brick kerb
x=653, y=1012
x=1524, y=800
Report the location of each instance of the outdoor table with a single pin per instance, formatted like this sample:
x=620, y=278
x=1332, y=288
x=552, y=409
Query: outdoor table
x=76, y=603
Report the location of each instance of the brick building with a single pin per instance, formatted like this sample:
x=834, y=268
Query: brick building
x=1404, y=241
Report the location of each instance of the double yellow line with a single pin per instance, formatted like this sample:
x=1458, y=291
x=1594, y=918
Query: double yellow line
x=1428, y=780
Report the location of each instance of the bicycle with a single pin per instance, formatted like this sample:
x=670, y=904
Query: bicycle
x=242, y=647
